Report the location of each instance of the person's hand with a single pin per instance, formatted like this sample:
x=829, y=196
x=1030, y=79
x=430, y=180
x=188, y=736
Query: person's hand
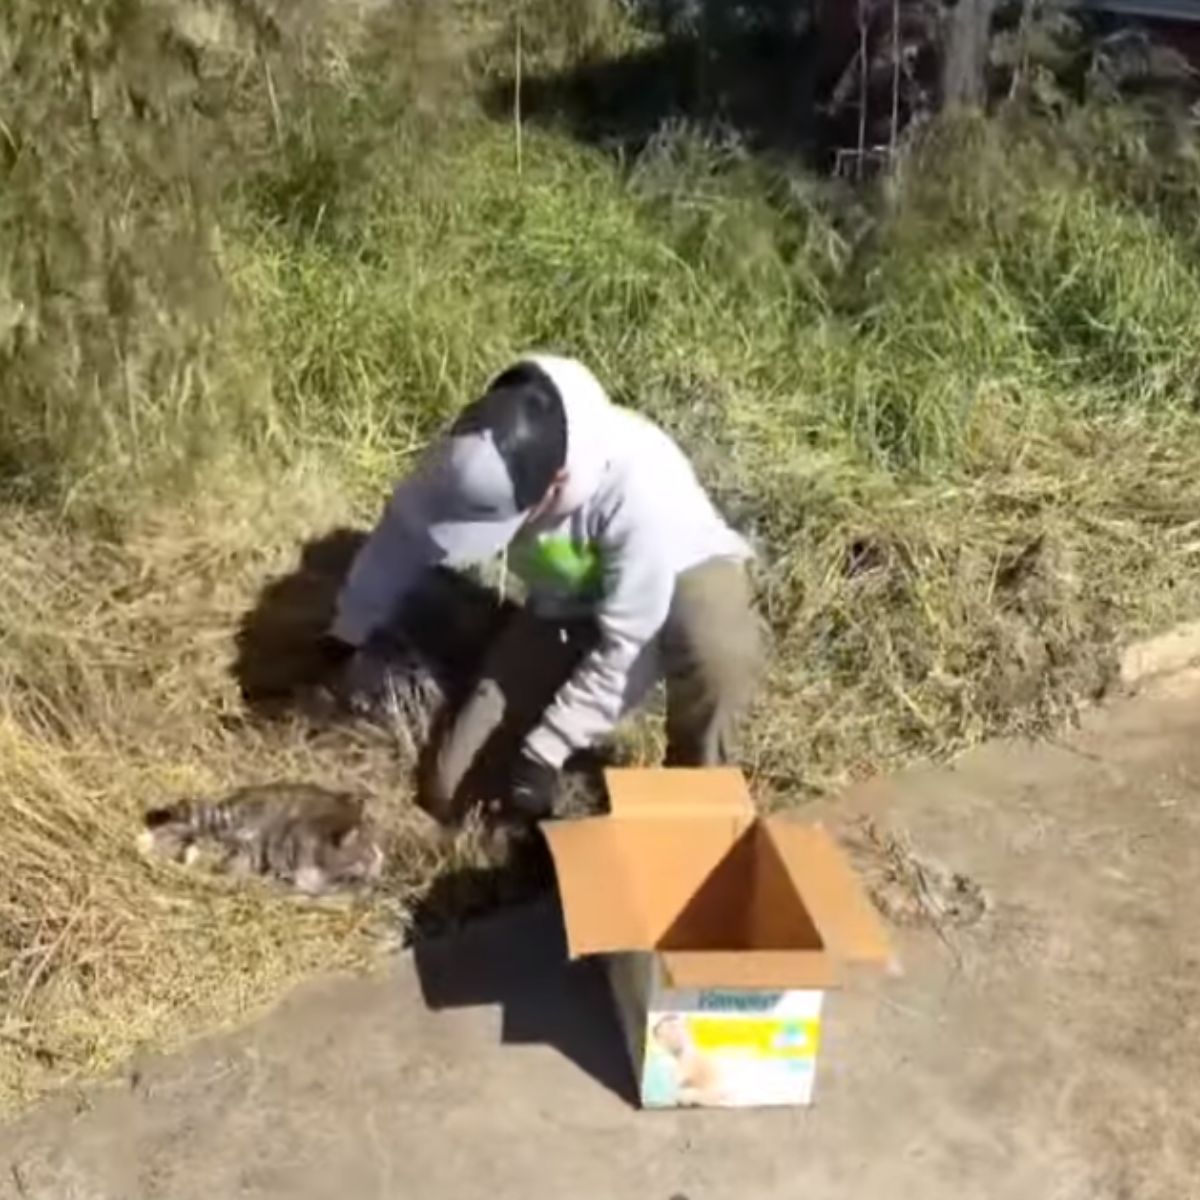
x=534, y=787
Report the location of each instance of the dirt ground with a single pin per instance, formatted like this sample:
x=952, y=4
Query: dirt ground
x=1043, y=1042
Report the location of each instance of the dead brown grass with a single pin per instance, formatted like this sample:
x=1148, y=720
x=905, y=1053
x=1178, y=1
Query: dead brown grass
x=906, y=625
x=116, y=671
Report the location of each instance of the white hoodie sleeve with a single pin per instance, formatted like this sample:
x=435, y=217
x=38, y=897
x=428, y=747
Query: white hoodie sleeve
x=639, y=584
x=397, y=553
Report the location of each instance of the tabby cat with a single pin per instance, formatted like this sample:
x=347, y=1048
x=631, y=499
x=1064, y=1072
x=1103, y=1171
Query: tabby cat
x=313, y=839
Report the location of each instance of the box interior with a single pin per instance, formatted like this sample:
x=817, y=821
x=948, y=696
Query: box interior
x=683, y=866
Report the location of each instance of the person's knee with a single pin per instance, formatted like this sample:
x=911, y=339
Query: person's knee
x=437, y=787
x=454, y=750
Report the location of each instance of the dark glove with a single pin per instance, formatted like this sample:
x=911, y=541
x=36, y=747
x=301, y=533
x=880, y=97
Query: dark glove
x=534, y=787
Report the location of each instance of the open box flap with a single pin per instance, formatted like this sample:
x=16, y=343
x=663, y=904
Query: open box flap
x=680, y=793
x=623, y=882
x=682, y=867
x=600, y=908
x=849, y=927
x=784, y=970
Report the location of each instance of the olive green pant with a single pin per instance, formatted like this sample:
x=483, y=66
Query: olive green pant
x=709, y=651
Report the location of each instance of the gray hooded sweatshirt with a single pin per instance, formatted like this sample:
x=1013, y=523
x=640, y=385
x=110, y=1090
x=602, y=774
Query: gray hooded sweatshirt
x=630, y=518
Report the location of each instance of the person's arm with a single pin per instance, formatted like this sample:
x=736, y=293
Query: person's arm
x=638, y=588
x=397, y=553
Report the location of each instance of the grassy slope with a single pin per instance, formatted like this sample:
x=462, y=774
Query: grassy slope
x=245, y=269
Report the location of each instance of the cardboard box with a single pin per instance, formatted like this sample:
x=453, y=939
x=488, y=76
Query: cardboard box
x=722, y=933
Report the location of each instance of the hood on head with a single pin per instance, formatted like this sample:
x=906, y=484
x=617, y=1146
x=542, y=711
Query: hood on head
x=462, y=494
x=588, y=411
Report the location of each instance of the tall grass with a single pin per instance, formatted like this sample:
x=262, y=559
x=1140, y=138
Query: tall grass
x=251, y=256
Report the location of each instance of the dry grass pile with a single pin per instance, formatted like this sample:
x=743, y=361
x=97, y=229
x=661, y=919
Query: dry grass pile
x=985, y=608
x=249, y=259
x=119, y=668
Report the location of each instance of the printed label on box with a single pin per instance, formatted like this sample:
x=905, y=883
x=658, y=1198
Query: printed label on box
x=697, y=1059
x=716, y=1047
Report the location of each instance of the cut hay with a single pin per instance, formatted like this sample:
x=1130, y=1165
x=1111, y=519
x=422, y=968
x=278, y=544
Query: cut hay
x=119, y=672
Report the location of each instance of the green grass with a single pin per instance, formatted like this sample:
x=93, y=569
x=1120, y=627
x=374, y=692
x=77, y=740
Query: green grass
x=249, y=263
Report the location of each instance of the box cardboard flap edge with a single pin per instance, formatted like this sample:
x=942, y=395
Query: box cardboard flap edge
x=599, y=909
x=848, y=925
x=605, y=910
x=750, y=970
x=678, y=792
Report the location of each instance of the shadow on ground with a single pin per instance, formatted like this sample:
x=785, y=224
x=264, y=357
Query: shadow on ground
x=518, y=962
x=450, y=618
x=521, y=871
x=278, y=640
